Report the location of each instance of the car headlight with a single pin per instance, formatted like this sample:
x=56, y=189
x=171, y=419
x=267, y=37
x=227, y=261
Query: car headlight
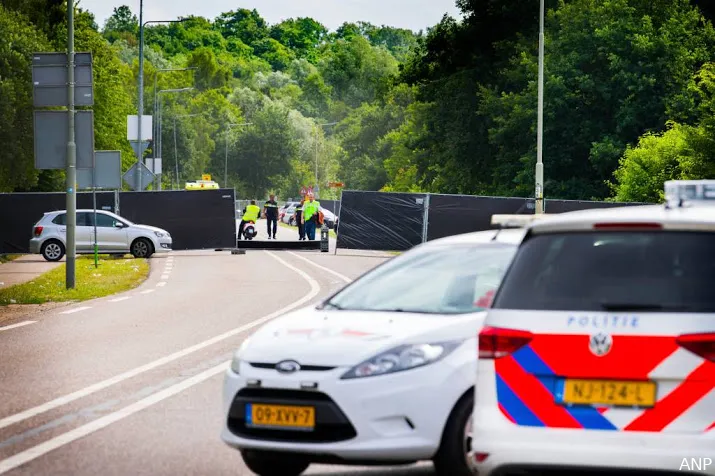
x=404, y=357
x=236, y=363
x=160, y=234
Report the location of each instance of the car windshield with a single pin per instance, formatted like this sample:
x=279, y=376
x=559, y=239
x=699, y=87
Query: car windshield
x=612, y=271
x=431, y=280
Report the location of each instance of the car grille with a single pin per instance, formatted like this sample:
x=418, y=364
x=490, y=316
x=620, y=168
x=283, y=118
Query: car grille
x=331, y=424
x=306, y=368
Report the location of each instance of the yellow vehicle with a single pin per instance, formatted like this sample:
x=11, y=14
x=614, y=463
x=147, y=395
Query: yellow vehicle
x=204, y=184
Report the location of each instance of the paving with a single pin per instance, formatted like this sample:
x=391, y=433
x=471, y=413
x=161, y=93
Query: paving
x=24, y=269
x=131, y=383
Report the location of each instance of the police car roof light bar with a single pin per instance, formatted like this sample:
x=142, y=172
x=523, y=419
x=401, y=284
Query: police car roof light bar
x=681, y=192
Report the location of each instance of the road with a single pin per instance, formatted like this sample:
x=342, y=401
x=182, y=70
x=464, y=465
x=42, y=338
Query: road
x=131, y=384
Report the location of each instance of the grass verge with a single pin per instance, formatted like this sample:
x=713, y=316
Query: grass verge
x=9, y=257
x=114, y=275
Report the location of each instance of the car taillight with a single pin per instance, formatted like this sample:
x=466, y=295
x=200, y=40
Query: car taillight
x=495, y=342
x=702, y=345
x=627, y=226
x=38, y=230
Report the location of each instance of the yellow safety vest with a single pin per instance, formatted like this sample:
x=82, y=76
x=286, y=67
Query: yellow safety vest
x=252, y=212
x=310, y=209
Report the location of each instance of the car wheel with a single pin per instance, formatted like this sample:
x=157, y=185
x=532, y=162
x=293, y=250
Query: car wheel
x=264, y=463
x=52, y=250
x=142, y=248
x=452, y=457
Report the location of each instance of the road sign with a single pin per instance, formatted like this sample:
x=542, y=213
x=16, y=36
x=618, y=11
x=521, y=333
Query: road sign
x=135, y=146
x=132, y=127
x=108, y=169
x=153, y=164
x=336, y=184
x=49, y=80
x=50, y=137
x=130, y=177
x=206, y=177
x=303, y=191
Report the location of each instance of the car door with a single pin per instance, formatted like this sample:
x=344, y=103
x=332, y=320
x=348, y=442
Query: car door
x=84, y=237
x=110, y=237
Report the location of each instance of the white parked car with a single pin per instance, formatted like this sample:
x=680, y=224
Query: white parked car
x=599, y=350
x=115, y=235
x=380, y=373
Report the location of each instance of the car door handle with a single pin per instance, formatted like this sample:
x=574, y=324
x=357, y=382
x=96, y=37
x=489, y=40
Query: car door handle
x=63, y=229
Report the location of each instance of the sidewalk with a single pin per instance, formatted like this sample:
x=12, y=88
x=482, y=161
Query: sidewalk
x=23, y=269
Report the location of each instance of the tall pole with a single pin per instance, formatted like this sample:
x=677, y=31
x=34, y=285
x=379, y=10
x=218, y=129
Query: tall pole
x=176, y=158
x=71, y=172
x=225, y=161
x=539, y=172
x=140, y=111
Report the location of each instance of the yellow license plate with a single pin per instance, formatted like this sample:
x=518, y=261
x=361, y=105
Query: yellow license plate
x=281, y=416
x=609, y=392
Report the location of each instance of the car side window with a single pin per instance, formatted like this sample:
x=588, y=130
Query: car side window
x=105, y=221
x=60, y=219
x=85, y=219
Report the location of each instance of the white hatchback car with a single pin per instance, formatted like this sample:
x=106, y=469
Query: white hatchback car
x=599, y=350
x=115, y=235
x=379, y=373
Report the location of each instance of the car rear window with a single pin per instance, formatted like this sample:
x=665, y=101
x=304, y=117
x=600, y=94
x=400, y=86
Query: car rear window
x=612, y=271
x=60, y=219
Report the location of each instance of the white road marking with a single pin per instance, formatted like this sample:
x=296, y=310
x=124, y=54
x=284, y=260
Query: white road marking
x=77, y=309
x=119, y=299
x=15, y=326
x=327, y=270
x=147, y=291
x=161, y=284
x=164, y=276
x=52, y=404
x=52, y=444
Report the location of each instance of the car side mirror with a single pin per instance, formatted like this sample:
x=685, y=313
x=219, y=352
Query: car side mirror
x=119, y=224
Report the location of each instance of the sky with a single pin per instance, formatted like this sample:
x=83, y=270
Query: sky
x=411, y=14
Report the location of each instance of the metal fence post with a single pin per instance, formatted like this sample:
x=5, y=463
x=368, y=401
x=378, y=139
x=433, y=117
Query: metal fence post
x=425, y=219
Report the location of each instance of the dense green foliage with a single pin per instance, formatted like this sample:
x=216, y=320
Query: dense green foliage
x=629, y=98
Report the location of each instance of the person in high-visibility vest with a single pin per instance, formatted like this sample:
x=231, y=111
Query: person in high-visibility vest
x=250, y=214
x=311, y=208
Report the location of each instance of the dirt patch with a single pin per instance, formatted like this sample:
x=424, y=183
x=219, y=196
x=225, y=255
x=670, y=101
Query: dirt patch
x=13, y=312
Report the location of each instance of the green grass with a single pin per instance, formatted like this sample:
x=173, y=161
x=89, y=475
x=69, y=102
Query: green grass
x=9, y=257
x=114, y=275
x=317, y=231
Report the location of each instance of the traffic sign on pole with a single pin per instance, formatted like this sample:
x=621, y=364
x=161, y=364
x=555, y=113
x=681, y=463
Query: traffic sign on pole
x=130, y=177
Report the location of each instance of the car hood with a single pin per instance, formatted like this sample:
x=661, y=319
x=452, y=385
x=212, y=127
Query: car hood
x=149, y=228
x=346, y=338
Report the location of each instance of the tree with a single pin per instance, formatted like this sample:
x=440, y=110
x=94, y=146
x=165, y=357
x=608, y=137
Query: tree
x=122, y=20
x=302, y=35
x=246, y=25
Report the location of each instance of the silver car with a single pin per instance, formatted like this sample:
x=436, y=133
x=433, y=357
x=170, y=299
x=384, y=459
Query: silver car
x=115, y=235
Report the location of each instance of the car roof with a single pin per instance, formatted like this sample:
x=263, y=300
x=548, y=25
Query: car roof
x=512, y=236
x=89, y=210
x=686, y=217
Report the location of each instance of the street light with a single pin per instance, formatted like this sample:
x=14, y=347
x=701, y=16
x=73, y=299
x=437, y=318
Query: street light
x=316, y=154
x=161, y=114
x=157, y=131
x=225, y=163
x=176, y=153
x=140, y=108
x=539, y=172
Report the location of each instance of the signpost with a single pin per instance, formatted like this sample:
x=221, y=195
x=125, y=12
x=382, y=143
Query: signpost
x=140, y=142
x=146, y=176
x=62, y=79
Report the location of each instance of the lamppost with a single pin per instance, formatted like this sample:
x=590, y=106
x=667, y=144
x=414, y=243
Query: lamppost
x=539, y=172
x=225, y=162
x=176, y=153
x=157, y=131
x=161, y=113
x=140, y=90
x=317, y=188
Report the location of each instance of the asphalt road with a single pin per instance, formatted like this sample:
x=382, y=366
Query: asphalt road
x=131, y=384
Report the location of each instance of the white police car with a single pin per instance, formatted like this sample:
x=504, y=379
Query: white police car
x=380, y=373
x=599, y=350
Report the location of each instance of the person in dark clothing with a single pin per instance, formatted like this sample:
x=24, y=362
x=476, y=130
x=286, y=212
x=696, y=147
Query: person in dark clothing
x=298, y=215
x=270, y=210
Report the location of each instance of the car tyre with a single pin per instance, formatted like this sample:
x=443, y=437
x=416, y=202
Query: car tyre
x=264, y=463
x=52, y=250
x=142, y=248
x=451, y=458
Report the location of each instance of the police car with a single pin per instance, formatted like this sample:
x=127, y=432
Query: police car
x=599, y=350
